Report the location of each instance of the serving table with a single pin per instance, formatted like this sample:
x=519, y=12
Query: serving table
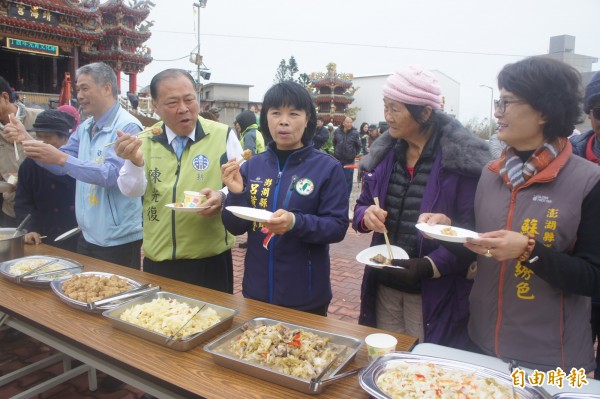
x=158, y=370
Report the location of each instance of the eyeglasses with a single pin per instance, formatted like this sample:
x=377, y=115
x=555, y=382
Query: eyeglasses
x=500, y=105
x=596, y=113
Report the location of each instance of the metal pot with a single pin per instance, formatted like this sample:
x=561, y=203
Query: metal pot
x=11, y=247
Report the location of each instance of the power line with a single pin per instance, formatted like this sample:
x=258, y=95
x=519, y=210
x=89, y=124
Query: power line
x=174, y=59
x=347, y=44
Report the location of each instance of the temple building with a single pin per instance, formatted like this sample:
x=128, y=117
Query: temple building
x=42, y=40
x=333, y=93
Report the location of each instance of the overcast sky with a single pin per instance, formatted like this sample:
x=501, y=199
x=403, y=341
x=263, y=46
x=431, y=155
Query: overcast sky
x=469, y=40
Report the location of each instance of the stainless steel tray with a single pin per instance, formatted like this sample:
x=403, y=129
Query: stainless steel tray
x=180, y=344
x=573, y=395
x=56, y=286
x=41, y=281
x=222, y=355
x=368, y=376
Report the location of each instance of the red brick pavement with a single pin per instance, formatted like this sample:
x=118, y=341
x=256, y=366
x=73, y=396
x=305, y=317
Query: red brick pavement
x=346, y=274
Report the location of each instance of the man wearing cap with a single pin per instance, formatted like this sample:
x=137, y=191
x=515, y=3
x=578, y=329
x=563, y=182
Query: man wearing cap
x=50, y=199
x=9, y=164
x=111, y=223
x=587, y=145
x=246, y=126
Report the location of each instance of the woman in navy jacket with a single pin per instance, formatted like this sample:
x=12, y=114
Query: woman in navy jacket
x=287, y=262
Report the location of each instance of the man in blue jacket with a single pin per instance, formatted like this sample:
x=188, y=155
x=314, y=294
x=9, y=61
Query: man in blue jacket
x=111, y=223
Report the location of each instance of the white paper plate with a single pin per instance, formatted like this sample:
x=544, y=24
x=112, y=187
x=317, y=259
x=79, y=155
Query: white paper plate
x=6, y=187
x=68, y=234
x=434, y=231
x=252, y=214
x=186, y=209
x=366, y=255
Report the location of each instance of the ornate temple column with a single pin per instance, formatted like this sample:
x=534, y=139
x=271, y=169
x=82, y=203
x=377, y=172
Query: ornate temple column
x=118, y=73
x=133, y=82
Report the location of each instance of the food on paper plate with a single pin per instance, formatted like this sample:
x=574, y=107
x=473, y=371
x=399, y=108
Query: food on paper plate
x=91, y=288
x=291, y=351
x=167, y=316
x=449, y=231
x=425, y=380
x=382, y=260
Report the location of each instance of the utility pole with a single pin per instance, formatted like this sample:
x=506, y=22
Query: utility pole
x=198, y=57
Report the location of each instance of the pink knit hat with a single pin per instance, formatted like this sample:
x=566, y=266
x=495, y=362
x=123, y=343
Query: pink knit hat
x=413, y=85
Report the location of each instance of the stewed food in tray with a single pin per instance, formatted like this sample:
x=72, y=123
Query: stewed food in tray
x=81, y=289
x=38, y=270
x=283, y=353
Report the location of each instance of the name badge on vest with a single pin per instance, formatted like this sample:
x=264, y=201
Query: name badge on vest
x=200, y=162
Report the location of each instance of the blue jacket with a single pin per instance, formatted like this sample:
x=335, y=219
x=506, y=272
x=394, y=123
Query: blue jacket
x=294, y=270
x=107, y=217
x=450, y=190
x=579, y=142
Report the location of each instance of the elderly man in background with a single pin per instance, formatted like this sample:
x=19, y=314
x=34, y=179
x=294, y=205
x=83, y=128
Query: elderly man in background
x=185, y=155
x=111, y=223
x=48, y=198
x=9, y=162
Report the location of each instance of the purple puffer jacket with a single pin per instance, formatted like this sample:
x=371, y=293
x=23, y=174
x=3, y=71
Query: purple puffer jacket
x=450, y=190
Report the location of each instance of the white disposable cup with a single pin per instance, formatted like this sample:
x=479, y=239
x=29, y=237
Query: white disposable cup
x=380, y=344
x=193, y=199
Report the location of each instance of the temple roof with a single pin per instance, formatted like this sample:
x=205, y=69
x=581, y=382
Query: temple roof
x=137, y=8
x=70, y=7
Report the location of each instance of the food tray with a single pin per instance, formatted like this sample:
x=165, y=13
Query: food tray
x=572, y=395
x=56, y=286
x=180, y=344
x=219, y=349
x=368, y=377
x=42, y=281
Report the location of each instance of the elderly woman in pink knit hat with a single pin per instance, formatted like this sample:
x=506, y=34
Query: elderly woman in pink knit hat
x=426, y=162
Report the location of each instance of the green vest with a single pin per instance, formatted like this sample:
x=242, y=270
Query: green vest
x=260, y=141
x=169, y=234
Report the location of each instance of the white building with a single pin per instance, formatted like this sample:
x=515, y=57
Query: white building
x=563, y=48
x=230, y=99
x=369, y=97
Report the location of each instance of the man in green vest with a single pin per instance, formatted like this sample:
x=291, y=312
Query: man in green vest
x=184, y=154
x=245, y=124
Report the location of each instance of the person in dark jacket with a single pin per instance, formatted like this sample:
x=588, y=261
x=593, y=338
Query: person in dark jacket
x=587, y=145
x=49, y=198
x=425, y=161
x=537, y=215
x=321, y=134
x=364, y=135
x=287, y=262
x=346, y=146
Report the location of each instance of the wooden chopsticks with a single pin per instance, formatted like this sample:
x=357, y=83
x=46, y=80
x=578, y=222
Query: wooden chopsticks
x=385, y=235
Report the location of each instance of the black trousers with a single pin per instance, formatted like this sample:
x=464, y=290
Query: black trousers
x=215, y=272
x=596, y=336
x=125, y=255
